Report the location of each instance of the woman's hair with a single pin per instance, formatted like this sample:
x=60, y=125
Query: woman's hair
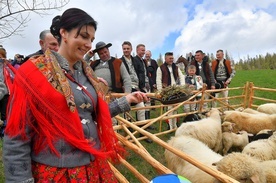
x=70, y=19
x=3, y=52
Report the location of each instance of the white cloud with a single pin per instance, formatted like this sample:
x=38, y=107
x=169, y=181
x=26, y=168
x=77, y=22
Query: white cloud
x=242, y=29
x=239, y=26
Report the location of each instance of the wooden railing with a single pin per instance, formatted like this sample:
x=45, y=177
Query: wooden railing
x=249, y=96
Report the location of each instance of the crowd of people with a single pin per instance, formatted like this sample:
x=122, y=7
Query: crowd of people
x=57, y=125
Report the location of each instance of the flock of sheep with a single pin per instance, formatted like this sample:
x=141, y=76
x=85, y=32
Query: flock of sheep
x=229, y=142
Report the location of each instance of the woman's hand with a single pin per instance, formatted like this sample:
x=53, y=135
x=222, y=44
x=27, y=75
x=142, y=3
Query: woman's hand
x=103, y=81
x=137, y=97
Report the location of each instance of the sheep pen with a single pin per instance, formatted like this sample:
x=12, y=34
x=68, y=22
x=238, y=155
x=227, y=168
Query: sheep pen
x=147, y=160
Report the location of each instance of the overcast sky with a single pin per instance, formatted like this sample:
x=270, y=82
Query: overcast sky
x=242, y=27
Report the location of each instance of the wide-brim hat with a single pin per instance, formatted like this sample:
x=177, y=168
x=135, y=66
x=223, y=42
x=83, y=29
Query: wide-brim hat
x=101, y=45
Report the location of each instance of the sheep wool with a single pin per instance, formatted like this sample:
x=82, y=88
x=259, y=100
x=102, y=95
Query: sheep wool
x=268, y=108
x=230, y=139
x=207, y=130
x=252, y=123
x=264, y=149
x=242, y=167
x=195, y=149
x=270, y=170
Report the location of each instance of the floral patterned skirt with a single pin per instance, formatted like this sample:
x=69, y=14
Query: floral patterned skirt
x=97, y=171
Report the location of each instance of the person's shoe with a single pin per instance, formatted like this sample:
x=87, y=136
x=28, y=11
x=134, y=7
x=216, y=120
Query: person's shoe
x=150, y=128
x=148, y=141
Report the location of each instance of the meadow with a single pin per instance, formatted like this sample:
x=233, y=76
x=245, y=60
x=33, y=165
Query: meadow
x=260, y=78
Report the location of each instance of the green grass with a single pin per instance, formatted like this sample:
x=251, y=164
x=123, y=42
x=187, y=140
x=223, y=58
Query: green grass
x=260, y=78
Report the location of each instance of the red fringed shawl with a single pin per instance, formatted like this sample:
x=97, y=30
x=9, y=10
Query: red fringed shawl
x=42, y=100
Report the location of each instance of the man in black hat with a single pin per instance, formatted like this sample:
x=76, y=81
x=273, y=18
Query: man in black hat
x=110, y=69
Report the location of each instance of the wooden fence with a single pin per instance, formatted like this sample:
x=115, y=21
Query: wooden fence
x=249, y=96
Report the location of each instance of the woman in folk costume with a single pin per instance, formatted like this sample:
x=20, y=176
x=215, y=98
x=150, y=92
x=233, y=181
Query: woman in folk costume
x=59, y=127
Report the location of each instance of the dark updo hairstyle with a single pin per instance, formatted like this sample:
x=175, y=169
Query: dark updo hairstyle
x=70, y=19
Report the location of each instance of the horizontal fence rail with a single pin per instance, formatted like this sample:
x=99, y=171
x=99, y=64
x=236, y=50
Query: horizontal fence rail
x=248, y=96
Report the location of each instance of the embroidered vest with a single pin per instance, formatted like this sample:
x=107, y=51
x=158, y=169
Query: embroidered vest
x=227, y=65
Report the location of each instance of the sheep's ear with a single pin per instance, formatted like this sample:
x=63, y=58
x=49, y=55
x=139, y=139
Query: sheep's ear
x=255, y=179
x=233, y=124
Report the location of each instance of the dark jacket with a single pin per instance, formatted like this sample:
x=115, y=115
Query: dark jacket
x=206, y=70
x=152, y=73
x=139, y=69
x=39, y=52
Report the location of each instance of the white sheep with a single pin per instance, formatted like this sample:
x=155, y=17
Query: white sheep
x=207, y=130
x=227, y=126
x=263, y=149
x=252, y=123
x=244, y=168
x=268, y=108
x=252, y=111
x=195, y=149
x=269, y=168
x=230, y=139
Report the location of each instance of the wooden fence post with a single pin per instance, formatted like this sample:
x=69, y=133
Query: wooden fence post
x=246, y=91
x=251, y=94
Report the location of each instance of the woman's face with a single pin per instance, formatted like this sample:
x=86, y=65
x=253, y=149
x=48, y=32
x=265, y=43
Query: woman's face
x=74, y=46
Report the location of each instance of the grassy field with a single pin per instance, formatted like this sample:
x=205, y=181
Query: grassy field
x=260, y=78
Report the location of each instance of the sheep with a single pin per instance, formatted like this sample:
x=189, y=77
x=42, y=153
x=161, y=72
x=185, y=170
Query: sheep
x=207, y=130
x=224, y=113
x=268, y=108
x=195, y=149
x=247, y=169
x=263, y=134
x=252, y=111
x=269, y=168
x=227, y=126
x=230, y=139
x=252, y=123
x=264, y=149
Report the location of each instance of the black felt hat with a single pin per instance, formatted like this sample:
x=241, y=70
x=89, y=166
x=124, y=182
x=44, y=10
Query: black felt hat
x=101, y=45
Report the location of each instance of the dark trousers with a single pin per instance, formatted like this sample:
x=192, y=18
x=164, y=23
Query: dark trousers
x=3, y=107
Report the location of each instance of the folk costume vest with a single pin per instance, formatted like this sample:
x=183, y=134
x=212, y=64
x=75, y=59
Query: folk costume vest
x=227, y=65
x=166, y=76
x=114, y=66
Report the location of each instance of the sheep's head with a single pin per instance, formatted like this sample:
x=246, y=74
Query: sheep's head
x=241, y=167
x=227, y=126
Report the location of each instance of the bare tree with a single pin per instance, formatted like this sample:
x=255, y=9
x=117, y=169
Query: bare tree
x=14, y=14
